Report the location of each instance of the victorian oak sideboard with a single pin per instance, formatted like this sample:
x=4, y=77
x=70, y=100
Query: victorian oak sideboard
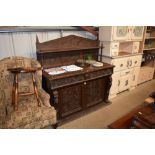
x=74, y=91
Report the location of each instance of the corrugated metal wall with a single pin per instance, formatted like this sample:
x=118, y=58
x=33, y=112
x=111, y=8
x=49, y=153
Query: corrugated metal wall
x=23, y=43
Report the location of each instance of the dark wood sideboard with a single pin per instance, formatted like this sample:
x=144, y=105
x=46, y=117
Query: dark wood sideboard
x=74, y=91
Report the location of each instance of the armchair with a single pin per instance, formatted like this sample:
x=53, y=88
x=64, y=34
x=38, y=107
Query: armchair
x=29, y=114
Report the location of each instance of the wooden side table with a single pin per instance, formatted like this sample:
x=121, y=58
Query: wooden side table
x=15, y=92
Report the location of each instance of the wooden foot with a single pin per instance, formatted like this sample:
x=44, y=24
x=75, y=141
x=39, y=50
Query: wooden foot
x=55, y=125
x=108, y=101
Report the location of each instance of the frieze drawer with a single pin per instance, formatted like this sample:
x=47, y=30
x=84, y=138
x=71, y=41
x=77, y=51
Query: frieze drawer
x=98, y=74
x=78, y=79
x=66, y=81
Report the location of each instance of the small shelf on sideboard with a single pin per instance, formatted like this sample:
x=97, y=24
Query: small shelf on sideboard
x=148, y=49
x=149, y=38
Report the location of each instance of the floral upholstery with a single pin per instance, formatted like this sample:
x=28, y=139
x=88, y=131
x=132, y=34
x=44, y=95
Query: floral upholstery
x=29, y=115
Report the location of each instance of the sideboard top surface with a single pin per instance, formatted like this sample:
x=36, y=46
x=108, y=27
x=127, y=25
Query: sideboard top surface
x=85, y=70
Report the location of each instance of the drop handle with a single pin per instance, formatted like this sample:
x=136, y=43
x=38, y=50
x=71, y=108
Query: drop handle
x=126, y=82
x=127, y=72
x=121, y=65
x=118, y=82
x=128, y=63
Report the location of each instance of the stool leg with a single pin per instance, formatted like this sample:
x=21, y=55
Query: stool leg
x=13, y=90
x=35, y=89
x=16, y=92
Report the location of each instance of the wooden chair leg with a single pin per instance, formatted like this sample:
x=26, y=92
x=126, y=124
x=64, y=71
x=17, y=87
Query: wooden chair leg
x=35, y=89
x=13, y=91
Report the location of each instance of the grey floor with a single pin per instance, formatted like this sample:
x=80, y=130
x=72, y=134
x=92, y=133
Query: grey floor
x=100, y=118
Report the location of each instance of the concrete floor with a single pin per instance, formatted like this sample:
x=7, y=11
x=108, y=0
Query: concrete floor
x=100, y=118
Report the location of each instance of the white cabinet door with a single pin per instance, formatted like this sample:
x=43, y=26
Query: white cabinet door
x=125, y=82
x=115, y=83
x=120, y=33
x=137, y=32
x=134, y=78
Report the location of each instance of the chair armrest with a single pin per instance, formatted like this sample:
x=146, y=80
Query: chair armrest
x=45, y=97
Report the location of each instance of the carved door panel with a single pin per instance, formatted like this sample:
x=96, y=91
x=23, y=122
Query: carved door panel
x=94, y=92
x=70, y=100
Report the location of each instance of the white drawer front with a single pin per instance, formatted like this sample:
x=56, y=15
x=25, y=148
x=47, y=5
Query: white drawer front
x=126, y=72
x=115, y=45
x=114, y=52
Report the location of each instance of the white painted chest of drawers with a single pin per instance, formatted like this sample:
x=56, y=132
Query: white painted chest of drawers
x=125, y=74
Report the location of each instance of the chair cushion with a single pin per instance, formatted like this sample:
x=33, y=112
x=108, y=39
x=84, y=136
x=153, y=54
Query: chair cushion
x=29, y=115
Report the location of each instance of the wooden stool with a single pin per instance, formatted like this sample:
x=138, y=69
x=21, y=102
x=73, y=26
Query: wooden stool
x=15, y=93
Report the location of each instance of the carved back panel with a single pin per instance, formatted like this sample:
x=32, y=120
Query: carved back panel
x=66, y=50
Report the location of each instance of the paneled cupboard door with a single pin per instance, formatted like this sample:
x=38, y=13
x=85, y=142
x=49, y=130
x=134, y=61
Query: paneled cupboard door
x=70, y=100
x=120, y=33
x=125, y=82
x=137, y=32
x=93, y=92
x=134, y=78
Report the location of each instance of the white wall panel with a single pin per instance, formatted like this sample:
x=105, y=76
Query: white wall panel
x=33, y=43
x=24, y=43
x=43, y=36
x=90, y=36
x=6, y=46
x=54, y=35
